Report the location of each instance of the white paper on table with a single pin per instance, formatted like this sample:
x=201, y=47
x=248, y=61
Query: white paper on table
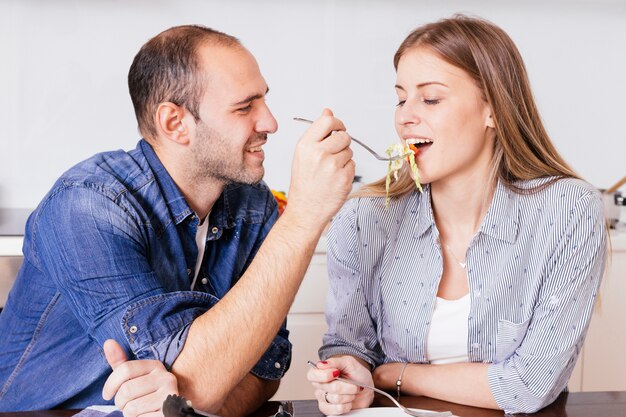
x=383, y=412
x=103, y=408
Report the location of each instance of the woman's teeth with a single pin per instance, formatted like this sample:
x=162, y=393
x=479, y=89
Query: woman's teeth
x=419, y=142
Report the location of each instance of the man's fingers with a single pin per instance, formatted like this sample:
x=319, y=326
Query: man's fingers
x=125, y=372
x=336, y=142
x=146, y=394
x=114, y=353
x=323, y=127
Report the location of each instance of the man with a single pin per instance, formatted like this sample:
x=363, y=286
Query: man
x=167, y=249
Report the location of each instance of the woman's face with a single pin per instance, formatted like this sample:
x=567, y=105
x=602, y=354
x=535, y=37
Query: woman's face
x=440, y=106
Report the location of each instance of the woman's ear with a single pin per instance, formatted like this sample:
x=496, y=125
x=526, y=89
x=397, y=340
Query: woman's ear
x=489, y=119
x=170, y=122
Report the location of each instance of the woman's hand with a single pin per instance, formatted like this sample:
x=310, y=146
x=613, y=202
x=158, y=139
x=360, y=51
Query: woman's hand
x=139, y=386
x=336, y=397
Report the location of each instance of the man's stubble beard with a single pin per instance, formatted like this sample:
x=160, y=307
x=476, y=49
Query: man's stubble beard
x=214, y=160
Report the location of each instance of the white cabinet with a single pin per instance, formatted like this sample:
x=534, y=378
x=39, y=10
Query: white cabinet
x=307, y=325
x=602, y=363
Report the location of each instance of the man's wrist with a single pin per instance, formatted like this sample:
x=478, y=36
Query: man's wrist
x=306, y=223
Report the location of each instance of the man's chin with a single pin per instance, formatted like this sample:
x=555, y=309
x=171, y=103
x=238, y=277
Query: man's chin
x=252, y=178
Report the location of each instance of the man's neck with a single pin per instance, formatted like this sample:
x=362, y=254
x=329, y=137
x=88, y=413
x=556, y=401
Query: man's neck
x=200, y=193
x=201, y=196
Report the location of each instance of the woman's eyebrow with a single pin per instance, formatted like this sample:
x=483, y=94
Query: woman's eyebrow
x=424, y=84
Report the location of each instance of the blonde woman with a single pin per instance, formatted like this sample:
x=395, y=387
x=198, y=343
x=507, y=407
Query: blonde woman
x=480, y=289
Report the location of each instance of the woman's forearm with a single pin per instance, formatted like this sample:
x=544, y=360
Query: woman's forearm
x=462, y=383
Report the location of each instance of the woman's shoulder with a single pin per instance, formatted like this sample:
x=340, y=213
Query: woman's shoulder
x=551, y=187
x=559, y=195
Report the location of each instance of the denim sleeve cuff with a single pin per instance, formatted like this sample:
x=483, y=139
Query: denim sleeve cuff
x=276, y=359
x=156, y=327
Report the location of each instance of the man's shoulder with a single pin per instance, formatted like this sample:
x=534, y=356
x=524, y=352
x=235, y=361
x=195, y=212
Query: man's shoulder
x=112, y=172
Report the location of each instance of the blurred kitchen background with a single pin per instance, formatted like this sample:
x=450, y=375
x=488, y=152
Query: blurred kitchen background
x=64, y=64
x=63, y=97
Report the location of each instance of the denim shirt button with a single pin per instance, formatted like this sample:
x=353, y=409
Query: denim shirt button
x=204, y=281
x=276, y=365
x=214, y=230
x=188, y=271
x=133, y=329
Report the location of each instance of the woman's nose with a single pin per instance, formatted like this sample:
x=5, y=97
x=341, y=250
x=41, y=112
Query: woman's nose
x=407, y=113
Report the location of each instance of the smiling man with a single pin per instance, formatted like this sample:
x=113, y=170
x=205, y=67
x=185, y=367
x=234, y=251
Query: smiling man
x=167, y=249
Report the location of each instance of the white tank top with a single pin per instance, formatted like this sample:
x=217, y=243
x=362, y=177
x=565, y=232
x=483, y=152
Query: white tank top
x=447, y=336
x=203, y=229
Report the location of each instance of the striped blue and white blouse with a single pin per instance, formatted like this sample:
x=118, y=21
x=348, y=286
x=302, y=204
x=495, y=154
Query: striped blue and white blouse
x=534, y=268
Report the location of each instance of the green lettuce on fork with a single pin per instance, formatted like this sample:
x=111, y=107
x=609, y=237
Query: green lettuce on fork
x=394, y=166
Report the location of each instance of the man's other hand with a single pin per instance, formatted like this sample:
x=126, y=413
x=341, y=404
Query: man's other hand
x=139, y=386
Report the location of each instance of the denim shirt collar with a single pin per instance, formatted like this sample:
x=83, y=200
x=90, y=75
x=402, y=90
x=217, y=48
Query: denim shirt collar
x=175, y=200
x=226, y=210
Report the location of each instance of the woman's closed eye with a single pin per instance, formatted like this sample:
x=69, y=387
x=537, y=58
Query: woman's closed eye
x=431, y=101
x=427, y=101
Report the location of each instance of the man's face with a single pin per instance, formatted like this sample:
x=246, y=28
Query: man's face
x=234, y=118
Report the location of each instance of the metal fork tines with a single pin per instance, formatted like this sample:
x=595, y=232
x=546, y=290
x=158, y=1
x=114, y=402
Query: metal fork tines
x=367, y=148
x=408, y=411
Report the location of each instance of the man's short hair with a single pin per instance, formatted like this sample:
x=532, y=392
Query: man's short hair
x=167, y=69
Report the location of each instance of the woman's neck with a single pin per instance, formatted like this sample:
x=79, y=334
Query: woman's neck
x=460, y=206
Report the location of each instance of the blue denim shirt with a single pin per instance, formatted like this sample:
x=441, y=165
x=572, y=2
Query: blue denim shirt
x=110, y=253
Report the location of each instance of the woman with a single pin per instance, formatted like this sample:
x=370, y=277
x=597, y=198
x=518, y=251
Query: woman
x=479, y=290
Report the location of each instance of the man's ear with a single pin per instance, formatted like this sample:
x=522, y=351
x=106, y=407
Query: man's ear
x=170, y=122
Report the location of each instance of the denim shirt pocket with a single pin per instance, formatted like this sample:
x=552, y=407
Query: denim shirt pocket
x=509, y=338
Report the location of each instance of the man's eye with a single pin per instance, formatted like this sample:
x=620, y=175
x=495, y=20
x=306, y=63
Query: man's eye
x=245, y=109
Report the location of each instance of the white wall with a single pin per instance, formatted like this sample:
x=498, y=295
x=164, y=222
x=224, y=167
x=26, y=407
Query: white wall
x=63, y=94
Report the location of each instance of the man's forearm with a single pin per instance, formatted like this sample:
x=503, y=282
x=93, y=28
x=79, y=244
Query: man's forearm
x=224, y=343
x=248, y=396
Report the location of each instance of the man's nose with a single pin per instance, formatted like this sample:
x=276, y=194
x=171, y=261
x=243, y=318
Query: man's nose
x=266, y=122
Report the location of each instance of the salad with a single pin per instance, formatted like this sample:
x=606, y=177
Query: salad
x=399, y=149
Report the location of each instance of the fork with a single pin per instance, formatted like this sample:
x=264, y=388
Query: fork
x=396, y=402
x=367, y=148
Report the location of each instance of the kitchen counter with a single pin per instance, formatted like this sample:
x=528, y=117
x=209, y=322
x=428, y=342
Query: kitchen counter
x=12, y=223
x=11, y=245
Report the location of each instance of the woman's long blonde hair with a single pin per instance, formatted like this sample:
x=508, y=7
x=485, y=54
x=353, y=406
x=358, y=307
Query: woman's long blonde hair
x=522, y=147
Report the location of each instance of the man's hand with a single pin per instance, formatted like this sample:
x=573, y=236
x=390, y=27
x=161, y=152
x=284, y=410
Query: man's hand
x=322, y=171
x=139, y=386
x=336, y=397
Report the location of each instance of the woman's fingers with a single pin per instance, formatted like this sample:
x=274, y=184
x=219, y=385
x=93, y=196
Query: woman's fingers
x=333, y=404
